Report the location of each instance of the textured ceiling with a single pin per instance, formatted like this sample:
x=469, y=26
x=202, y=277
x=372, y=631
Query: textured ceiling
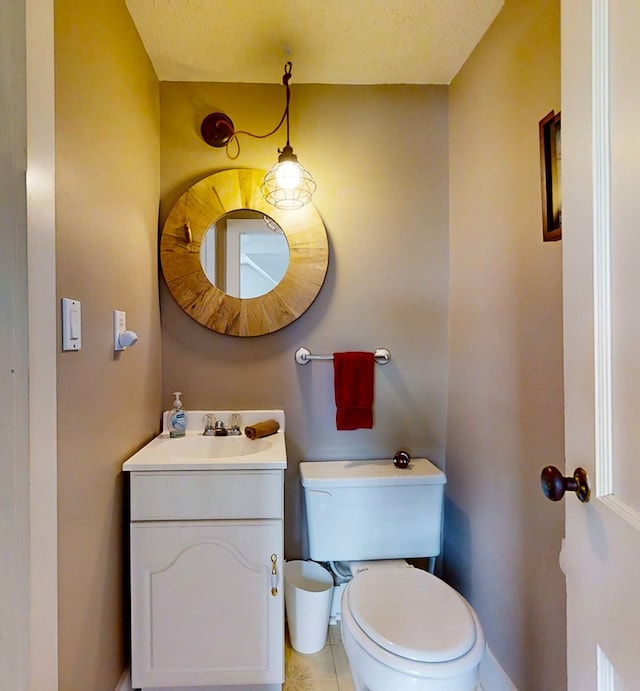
x=328, y=41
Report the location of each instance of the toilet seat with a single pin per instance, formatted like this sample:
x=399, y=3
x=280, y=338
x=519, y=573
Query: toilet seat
x=412, y=614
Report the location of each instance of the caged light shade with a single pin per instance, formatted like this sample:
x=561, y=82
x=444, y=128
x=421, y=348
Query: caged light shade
x=288, y=185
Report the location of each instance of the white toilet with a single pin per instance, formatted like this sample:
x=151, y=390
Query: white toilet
x=402, y=627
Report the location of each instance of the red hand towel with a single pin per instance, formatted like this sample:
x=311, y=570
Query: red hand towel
x=353, y=385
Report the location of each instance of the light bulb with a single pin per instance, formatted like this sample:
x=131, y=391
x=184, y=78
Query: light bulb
x=288, y=175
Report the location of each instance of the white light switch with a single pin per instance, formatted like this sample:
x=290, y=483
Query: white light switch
x=71, y=324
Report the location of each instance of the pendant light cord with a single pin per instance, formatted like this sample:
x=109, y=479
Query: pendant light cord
x=234, y=138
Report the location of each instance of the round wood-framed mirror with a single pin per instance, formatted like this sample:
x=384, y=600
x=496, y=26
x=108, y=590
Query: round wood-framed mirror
x=200, y=207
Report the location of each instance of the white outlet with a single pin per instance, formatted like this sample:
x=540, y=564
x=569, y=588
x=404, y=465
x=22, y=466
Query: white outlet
x=119, y=326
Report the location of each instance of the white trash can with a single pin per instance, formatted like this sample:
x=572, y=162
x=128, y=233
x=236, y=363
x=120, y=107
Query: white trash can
x=307, y=596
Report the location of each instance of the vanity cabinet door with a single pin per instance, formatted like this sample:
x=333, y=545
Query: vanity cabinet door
x=203, y=610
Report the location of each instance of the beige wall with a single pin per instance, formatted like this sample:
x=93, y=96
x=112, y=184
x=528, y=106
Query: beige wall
x=505, y=413
x=379, y=156
x=107, y=189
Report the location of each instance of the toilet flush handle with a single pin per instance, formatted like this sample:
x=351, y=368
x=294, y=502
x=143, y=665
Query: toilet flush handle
x=401, y=459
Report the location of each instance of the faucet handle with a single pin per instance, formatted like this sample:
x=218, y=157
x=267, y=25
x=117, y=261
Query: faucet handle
x=207, y=421
x=234, y=423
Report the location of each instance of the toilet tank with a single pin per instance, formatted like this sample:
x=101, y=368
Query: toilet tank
x=358, y=510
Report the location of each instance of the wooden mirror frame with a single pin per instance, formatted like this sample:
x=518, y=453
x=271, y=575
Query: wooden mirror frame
x=188, y=221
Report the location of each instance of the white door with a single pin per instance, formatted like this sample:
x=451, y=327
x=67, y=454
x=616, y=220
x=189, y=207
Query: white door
x=601, y=246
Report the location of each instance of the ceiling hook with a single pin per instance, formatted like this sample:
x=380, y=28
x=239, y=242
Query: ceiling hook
x=287, y=73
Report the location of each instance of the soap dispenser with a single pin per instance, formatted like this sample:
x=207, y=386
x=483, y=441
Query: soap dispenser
x=177, y=421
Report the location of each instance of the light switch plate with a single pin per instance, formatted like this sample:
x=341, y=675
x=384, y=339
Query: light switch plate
x=71, y=324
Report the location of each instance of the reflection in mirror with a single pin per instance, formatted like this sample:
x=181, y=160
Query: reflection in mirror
x=245, y=254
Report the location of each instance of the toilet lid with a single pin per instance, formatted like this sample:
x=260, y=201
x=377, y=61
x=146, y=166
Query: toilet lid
x=412, y=614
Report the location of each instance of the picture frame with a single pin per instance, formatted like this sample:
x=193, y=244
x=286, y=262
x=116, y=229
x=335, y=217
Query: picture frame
x=550, y=176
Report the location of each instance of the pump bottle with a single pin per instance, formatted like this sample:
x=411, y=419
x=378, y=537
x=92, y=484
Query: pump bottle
x=177, y=418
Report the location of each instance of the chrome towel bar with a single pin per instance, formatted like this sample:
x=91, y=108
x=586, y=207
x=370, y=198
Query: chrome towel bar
x=303, y=356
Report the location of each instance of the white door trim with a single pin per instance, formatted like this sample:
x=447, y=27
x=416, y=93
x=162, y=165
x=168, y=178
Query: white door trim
x=42, y=310
x=602, y=248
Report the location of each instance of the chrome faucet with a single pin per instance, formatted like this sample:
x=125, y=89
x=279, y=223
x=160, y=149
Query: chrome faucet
x=220, y=430
x=209, y=430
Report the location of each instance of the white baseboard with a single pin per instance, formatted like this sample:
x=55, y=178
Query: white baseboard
x=492, y=676
x=125, y=682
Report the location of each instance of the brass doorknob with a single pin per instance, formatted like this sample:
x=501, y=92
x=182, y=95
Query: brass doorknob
x=554, y=484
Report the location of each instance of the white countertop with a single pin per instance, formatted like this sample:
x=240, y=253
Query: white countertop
x=197, y=452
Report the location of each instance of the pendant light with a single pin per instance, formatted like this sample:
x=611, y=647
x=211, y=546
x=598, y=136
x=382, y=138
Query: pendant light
x=287, y=185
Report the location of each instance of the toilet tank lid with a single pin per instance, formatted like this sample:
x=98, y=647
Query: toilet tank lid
x=369, y=473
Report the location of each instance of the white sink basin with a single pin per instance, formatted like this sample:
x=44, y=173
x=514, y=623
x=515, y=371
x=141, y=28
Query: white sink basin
x=197, y=452
x=201, y=448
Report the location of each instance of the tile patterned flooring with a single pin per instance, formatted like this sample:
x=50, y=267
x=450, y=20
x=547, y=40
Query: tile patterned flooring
x=327, y=670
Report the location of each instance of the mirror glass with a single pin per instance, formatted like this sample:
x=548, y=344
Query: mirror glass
x=245, y=253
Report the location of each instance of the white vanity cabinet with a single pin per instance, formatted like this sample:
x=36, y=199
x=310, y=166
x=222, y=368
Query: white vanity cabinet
x=207, y=591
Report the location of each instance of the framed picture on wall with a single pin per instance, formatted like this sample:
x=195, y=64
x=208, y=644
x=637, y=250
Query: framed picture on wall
x=550, y=176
